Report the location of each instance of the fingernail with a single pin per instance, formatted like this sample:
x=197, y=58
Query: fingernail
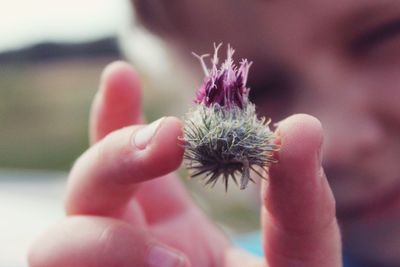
x=160, y=256
x=143, y=136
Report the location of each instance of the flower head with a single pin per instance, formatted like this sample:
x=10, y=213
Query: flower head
x=225, y=86
x=222, y=135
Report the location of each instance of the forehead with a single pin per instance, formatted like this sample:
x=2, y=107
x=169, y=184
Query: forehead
x=274, y=33
x=316, y=20
x=321, y=14
x=262, y=21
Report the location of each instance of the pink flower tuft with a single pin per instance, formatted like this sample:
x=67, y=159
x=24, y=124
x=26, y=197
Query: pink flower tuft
x=226, y=85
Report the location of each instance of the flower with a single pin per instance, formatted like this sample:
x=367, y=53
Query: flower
x=225, y=86
x=222, y=135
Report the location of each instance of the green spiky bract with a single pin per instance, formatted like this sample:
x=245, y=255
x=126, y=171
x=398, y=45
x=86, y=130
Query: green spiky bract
x=227, y=143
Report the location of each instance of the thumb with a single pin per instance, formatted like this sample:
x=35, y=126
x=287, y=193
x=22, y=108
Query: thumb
x=298, y=215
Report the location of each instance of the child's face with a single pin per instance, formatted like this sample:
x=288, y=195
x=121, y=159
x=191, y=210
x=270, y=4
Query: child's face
x=339, y=61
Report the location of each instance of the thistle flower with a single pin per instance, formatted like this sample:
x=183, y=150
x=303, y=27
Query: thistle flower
x=222, y=135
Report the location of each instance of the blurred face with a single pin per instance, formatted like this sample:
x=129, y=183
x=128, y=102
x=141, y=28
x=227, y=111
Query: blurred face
x=339, y=61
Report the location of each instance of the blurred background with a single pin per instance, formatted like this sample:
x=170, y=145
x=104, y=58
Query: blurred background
x=51, y=57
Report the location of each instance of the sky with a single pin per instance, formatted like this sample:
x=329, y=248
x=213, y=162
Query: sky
x=26, y=22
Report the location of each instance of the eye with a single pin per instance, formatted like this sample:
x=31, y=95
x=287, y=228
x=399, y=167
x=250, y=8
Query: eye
x=376, y=37
x=272, y=93
x=271, y=87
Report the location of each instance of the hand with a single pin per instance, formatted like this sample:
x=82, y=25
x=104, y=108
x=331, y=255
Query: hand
x=125, y=208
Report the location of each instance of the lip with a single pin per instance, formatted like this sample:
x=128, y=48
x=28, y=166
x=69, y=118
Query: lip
x=372, y=209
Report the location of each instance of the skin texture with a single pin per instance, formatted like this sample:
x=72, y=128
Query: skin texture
x=120, y=205
x=333, y=60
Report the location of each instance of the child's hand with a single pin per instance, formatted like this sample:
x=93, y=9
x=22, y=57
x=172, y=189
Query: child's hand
x=120, y=215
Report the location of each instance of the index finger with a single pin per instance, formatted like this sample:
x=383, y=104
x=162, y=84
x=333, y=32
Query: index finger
x=299, y=221
x=104, y=178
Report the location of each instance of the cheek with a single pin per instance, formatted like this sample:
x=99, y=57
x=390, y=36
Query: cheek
x=381, y=71
x=385, y=100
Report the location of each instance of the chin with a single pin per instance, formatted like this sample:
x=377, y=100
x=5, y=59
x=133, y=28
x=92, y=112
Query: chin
x=373, y=242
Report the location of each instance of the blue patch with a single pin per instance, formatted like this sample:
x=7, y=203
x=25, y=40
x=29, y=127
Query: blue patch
x=251, y=242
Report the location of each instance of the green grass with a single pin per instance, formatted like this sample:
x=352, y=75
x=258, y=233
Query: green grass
x=44, y=110
x=44, y=113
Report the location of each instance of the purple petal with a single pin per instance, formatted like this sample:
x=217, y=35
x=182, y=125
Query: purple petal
x=225, y=85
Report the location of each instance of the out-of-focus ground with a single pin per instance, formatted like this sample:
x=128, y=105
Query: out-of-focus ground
x=30, y=202
x=44, y=109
